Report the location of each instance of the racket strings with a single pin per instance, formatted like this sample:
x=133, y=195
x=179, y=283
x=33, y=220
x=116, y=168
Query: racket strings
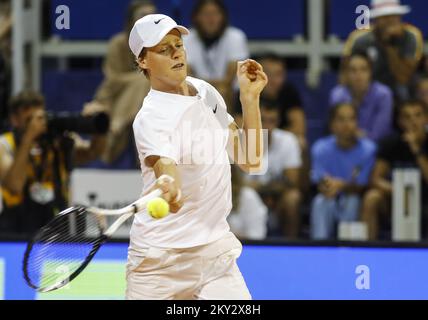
x=62, y=247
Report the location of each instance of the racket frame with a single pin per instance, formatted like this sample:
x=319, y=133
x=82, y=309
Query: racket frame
x=123, y=215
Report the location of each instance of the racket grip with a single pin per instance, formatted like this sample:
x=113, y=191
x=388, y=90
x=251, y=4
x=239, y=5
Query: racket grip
x=140, y=204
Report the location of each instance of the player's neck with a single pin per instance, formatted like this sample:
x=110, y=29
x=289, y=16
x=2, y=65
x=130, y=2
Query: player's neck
x=183, y=88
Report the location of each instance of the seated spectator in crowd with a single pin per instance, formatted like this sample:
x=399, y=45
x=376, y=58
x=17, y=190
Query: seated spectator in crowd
x=394, y=47
x=213, y=46
x=372, y=100
x=341, y=167
x=123, y=90
x=422, y=91
x=407, y=149
x=35, y=166
x=279, y=186
x=248, y=218
x=282, y=92
x=5, y=59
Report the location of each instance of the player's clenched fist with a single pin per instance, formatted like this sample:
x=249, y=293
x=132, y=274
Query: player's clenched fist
x=251, y=78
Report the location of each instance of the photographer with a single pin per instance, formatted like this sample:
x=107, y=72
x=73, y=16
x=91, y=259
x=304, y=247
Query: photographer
x=36, y=158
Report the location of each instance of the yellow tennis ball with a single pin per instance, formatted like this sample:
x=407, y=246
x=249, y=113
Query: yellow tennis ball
x=158, y=208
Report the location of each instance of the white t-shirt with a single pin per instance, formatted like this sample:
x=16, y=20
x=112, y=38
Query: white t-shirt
x=250, y=219
x=211, y=64
x=283, y=153
x=187, y=130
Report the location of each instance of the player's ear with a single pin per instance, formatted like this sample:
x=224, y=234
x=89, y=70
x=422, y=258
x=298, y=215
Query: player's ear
x=142, y=63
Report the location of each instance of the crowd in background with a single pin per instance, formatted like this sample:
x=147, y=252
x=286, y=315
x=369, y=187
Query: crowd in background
x=377, y=122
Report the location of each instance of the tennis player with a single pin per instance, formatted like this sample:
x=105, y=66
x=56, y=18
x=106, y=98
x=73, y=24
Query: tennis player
x=184, y=138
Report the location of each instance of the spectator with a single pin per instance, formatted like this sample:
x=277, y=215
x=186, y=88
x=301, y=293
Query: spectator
x=394, y=47
x=292, y=117
x=279, y=186
x=409, y=148
x=248, y=218
x=214, y=47
x=373, y=100
x=282, y=92
x=341, y=166
x=124, y=88
x=35, y=166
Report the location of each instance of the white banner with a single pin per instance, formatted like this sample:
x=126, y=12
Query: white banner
x=108, y=189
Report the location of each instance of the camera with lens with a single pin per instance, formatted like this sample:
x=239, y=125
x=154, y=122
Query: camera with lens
x=58, y=123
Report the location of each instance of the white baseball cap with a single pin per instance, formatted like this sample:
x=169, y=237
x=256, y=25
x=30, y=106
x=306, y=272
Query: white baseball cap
x=380, y=8
x=150, y=30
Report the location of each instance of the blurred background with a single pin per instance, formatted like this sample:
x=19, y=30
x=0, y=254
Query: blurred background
x=346, y=109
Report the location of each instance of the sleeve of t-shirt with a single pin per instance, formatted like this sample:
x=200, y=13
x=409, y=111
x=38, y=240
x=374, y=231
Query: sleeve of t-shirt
x=411, y=46
x=153, y=138
x=356, y=43
x=291, y=153
x=238, y=46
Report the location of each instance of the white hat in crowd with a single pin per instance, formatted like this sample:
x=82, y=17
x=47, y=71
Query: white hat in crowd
x=380, y=8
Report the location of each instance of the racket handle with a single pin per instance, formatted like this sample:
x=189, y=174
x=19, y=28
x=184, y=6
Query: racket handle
x=132, y=209
x=141, y=203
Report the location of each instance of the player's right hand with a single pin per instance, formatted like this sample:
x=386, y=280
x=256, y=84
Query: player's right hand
x=36, y=126
x=170, y=192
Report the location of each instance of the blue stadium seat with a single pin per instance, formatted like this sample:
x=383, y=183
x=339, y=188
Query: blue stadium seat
x=280, y=19
x=68, y=91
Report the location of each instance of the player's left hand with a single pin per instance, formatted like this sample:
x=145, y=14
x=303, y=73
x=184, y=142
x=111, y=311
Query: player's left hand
x=251, y=78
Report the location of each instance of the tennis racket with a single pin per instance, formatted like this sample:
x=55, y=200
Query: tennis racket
x=63, y=248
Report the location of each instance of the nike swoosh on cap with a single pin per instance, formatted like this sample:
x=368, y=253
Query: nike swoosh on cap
x=157, y=21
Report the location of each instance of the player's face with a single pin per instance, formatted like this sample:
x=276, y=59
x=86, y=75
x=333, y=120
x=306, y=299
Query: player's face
x=166, y=62
x=359, y=74
x=344, y=125
x=275, y=72
x=412, y=118
x=210, y=19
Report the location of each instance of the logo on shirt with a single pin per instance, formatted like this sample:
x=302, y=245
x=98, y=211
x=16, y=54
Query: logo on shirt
x=157, y=21
x=215, y=110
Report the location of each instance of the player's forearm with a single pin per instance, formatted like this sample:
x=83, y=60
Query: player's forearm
x=16, y=177
x=252, y=127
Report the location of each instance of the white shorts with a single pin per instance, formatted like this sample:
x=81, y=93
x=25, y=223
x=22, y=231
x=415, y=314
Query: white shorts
x=207, y=272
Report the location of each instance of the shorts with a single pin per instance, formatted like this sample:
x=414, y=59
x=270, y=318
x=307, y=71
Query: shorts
x=207, y=272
